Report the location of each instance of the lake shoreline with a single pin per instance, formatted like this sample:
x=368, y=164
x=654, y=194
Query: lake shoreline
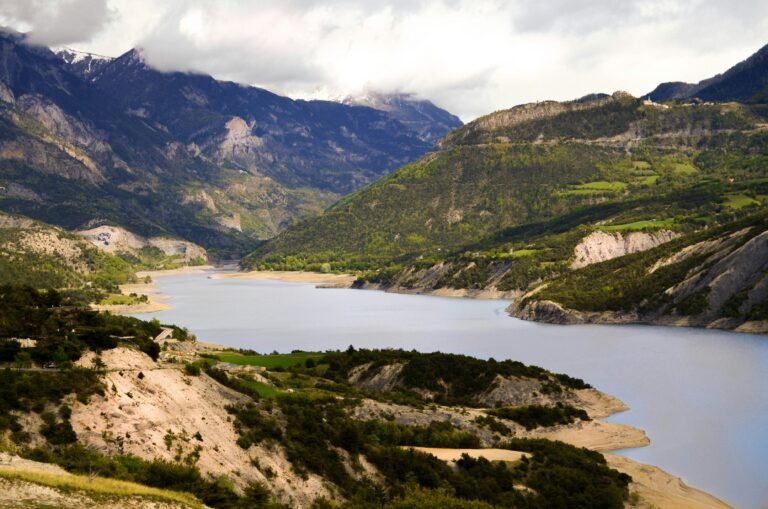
x=553, y=313
x=328, y=281
x=156, y=300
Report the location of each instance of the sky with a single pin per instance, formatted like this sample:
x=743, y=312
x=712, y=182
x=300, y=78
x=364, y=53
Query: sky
x=471, y=57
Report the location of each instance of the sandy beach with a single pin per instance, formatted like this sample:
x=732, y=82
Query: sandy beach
x=196, y=269
x=326, y=280
x=597, y=435
x=156, y=300
x=656, y=489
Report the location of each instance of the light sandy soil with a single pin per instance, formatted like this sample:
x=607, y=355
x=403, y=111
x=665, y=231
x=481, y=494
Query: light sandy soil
x=175, y=272
x=596, y=435
x=156, y=411
x=337, y=280
x=463, y=293
x=456, y=454
x=657, y=489
x=597, y=404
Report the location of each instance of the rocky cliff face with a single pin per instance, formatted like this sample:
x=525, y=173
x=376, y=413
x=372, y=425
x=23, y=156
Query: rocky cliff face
x=114, y=239
x=718, y=282
x=155, y=412
x=600, y=246
x=488, y=127
x=322, y=144
x=429, y=122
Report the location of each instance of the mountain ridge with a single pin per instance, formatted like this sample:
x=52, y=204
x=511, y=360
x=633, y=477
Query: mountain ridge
x=87, y=141
x=746, y=81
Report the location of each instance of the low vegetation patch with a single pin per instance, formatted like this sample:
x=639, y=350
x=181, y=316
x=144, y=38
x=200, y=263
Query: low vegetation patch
x=534, y=416
x=314, y=430
x=269, y=361
x=100, y=485
x=639, y=225
x=168, y=476
x=453, y=379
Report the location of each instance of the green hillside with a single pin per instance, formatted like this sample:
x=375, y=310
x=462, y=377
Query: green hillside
x=516, y=198
x=41, y=256
x=613, y=161
x=716, y=277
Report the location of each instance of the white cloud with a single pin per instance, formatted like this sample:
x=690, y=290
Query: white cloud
x=56, y=22
x=470, y=56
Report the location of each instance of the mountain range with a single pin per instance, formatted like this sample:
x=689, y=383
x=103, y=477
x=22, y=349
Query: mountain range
x=88, y=140
x=521, y=202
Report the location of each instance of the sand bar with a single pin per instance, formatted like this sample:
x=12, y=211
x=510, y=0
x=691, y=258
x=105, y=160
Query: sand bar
x=445, y=454
x=596, y=435
x=337, y=280
x=196, y=269
x=657, y=489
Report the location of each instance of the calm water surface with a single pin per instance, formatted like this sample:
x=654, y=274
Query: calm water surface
x=702, y=396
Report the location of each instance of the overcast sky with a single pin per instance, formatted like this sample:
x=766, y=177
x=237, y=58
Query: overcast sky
x=468, y=56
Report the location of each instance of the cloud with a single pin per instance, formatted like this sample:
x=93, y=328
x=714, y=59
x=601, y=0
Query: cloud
x=57, y=22
x=469, y=56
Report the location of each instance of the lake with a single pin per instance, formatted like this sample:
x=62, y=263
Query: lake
x=702, y=396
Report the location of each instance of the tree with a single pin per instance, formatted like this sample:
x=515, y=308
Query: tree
x=23, y=360
x=9, y=348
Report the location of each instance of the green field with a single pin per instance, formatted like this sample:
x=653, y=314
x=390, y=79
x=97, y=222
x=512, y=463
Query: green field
x=684, y=169
x=649, y=180
x=598, y=186
x=739, y=200
x=523, y=253
x=98, y=485
x=264, y=390
x=269, y=361
x=639, y=225
x=121, y=300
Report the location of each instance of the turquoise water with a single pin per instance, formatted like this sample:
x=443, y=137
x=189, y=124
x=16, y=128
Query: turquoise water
x=702, y=396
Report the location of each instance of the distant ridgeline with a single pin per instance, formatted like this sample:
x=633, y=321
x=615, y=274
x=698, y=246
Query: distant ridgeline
x=539, y=192
x=88, y=140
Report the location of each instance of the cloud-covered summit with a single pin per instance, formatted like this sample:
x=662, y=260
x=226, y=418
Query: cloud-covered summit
x=471, y=57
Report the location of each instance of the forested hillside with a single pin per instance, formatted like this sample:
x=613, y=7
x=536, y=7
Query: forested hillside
x=545, y=168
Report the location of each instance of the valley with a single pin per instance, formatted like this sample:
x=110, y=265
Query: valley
x=182, y=259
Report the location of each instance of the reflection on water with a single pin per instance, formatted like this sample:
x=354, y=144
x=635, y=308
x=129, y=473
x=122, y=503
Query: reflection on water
x=701, y=395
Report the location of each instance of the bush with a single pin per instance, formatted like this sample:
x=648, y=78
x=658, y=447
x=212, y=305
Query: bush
x=533, y=416
x=192, y=369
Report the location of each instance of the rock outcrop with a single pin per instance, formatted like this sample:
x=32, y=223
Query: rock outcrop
x=114, y=239
x=719, y=282
x=600, y=246
x=157, y=412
